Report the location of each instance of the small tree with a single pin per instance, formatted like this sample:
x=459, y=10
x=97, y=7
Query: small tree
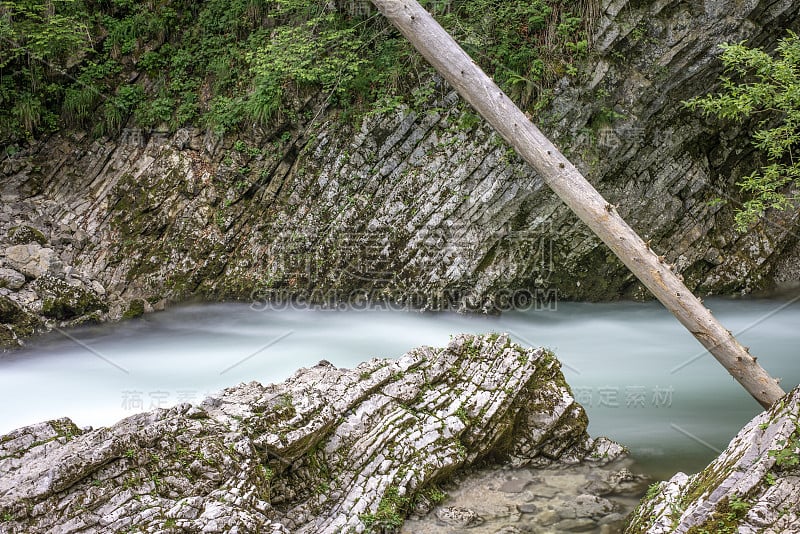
x=767, y=89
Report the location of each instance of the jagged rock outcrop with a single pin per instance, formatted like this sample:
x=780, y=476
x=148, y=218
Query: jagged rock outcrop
x=422, y=206
x=329, y=450
x=752, y=487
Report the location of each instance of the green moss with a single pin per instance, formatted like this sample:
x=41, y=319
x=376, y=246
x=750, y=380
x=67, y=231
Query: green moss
x=135, y=309
x=725, y=518
x=19, y=323
x=10, y=313
x=66, y=428
x=62, y=301
x=391, y=512
x=22, y=235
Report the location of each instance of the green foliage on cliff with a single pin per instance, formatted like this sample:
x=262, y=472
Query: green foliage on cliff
x=767, y=90
x=228, y=64
x=38, y=40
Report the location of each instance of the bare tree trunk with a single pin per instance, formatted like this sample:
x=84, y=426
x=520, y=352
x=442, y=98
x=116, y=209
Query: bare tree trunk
x=441, y=51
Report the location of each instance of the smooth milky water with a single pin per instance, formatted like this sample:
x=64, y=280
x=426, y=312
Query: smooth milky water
x=643, y=379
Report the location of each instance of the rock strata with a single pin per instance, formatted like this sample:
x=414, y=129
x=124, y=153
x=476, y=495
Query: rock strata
x=421, y=205
x=329, y=450
x=752, y=487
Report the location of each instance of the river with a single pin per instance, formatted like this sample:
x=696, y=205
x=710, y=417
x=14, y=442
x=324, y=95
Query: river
x=643, y=379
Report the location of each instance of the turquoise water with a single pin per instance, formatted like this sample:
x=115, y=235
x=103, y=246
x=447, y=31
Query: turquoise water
x=643, y=379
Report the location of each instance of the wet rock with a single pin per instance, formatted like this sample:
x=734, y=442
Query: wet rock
x=624, y=482
x=63, y=301
x=478, y=490
x=33, y=260
x=11, y=279
x=547, y=518
x=599, y=487
x=586, y=506
x=575, y=525
x=544, y=491
x=515, y=486
x=329, y=450
x=527, y=508
x=135, y=309
x=16, y=322
x=458, y=517
x=611, y=519
x=752, y=486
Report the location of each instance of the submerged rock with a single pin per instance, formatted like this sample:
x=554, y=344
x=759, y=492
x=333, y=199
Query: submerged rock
x=753, y=486
x=553, y=500
x=328, y=450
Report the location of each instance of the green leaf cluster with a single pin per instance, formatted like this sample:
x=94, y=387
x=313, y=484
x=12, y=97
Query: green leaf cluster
x=229, y=64
x=38, y=40
x=766, y=89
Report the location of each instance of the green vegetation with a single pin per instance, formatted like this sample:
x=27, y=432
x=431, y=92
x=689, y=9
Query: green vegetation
x=135, y=309
x=229, y=64
x=788, y=456
x=390, y=513
x=767, y=90
x=726, y=518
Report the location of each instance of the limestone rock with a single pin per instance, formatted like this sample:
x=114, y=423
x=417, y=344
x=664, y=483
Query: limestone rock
x=15, y=322
x=33, y=260
x=11, y=279
x=329, y=450
x=458, y=517
x=62, y=300
x=753, y=486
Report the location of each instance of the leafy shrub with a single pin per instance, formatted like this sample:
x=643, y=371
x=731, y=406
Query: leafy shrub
x=767, y=90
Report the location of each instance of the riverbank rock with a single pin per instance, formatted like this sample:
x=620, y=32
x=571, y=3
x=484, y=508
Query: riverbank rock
x=753, y=486
x=33, y=260
x=329, y=450
x=11, y=279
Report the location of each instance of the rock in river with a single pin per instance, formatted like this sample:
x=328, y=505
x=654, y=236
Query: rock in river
x=753, y=486
x=328, y=450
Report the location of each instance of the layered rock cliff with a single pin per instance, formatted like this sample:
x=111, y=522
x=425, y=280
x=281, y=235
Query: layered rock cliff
x=329, y=450
x=422, y=206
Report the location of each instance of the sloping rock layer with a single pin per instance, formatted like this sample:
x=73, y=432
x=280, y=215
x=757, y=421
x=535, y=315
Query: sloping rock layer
x=329, y=450
x=752, y=487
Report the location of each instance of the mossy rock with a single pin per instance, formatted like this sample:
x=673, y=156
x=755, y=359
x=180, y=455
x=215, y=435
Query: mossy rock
x=22, y=235
x=135, y=309
x=62, y=301
x=10, y=313
x=20, y=322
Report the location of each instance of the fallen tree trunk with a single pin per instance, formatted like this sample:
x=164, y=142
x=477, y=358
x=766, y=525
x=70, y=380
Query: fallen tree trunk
x=455, y=65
